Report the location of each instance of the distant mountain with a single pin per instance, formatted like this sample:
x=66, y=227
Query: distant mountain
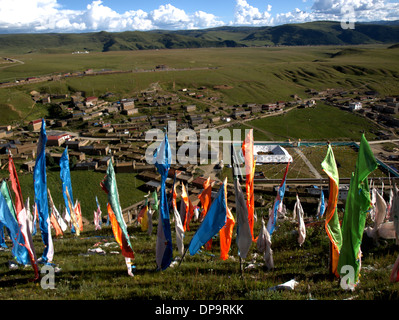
x=312, y=33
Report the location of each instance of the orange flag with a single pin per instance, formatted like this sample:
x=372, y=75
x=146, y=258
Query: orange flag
x=248, y=152
x=226, y=234
x=206, y=198
x=184, y=216
x=127, y=252
x=78, y=213
x=56, y=226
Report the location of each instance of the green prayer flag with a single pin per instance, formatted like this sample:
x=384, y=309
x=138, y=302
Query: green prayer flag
x=7, y=197
x=155, y=198
x=357, y=206
x=109, y=185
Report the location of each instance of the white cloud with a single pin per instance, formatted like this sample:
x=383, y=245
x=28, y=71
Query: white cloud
x=361, y=10
x=48, y=16
x=246, y=14
x=336, y=10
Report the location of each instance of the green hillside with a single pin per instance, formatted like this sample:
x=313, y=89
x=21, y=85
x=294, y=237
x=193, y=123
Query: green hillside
x=313, y=33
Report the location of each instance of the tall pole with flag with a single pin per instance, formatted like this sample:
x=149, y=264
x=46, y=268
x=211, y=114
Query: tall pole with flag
x=164, y=251
x=41, y=200
x=357, y=206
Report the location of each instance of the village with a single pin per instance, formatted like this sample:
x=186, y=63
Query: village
x=97, y=130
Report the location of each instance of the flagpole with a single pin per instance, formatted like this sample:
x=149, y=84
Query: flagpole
x=185, y=251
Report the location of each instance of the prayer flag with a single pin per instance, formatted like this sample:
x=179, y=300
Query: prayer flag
x=248, y=152
x=19, y=203
x=97, y=216
x=53, y=219
x=271, y=223
x=205, y=197
x=244, y=236
x=178, y=224
x=321, y=208
x=74, y=224
x=357, y=206
x=214, y=220
x=264, y=246
x=65, y=176
x=78, y=214
x=19, y=250
x=184, y=209
x=225, y=235
x=118, y=224
x=301, y=224
x=164, y=251
x=40, y=188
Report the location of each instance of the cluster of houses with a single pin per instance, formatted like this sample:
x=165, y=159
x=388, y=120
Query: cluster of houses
x=114, y=129
x=384, y=110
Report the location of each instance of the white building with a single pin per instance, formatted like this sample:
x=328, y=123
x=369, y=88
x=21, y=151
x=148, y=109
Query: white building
x=271, y=154
x=353, y=106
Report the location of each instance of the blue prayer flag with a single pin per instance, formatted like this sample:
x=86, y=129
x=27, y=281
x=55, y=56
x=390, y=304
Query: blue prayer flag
x=19, y=250
x=271, y=224
x=40, y=188
x=164, y=250
x=65, y=176
x=214, y=220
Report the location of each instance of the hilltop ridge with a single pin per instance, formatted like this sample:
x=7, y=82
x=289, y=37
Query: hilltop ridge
x=311, y=33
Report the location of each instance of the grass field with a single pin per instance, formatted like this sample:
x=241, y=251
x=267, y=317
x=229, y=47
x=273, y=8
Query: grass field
x=203, y=276
x=257, y=75
x=323, y=122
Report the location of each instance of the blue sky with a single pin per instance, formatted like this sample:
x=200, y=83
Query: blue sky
x=221, y=8
x=36, y=16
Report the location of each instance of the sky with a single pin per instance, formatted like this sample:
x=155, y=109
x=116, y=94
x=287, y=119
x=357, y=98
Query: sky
x=71, y=16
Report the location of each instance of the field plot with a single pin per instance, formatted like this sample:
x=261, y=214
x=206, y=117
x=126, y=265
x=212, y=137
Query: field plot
x=323, y=122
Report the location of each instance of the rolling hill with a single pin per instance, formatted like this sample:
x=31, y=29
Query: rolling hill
x=312, y=33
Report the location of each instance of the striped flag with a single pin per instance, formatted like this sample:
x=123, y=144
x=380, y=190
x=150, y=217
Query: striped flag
x=357, y=206
x=118, y=224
